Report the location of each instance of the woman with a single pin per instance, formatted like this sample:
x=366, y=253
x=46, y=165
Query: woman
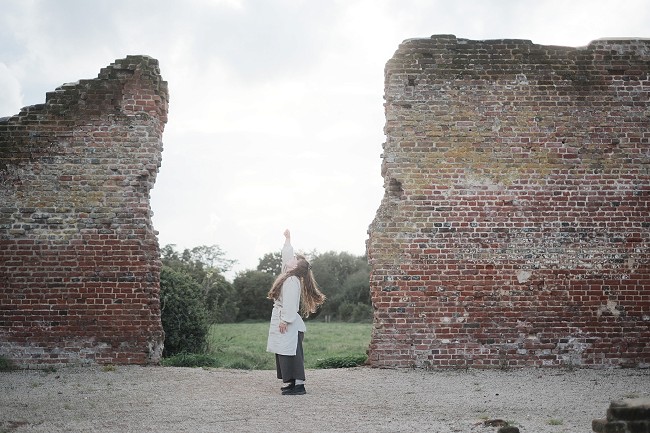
x=294, y=290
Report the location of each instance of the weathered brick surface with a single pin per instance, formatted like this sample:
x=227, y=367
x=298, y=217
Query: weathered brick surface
x=514, y=230
x=79, y=259
x=625, y=416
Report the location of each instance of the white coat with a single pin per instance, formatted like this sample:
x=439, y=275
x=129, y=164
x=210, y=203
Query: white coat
x=286, y=308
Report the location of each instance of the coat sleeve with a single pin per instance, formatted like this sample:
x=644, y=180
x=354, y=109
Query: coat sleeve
x=290, y=300
x=287, y=253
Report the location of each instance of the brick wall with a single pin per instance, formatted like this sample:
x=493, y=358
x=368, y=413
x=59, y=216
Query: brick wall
x=514, y=229
x=625, y=416
x=79, y=259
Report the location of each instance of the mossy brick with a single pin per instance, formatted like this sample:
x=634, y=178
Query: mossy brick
x=59, y=234
x=491, y=146
x=629, y=410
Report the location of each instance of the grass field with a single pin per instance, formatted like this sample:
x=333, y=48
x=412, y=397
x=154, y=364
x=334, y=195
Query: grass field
x=243, y=345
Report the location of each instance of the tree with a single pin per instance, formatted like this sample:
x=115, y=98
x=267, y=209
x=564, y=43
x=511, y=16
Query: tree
x=271, y=263
x=356, y=286
x=196, y=261
x=205, y=265
x=343, y=278
x=252, y=288
x=222, y=301
x=212, y=257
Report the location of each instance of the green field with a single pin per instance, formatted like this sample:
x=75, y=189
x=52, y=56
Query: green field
x=243, y=345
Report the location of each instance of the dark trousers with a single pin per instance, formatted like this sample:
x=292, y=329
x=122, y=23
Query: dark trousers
x=291, y=367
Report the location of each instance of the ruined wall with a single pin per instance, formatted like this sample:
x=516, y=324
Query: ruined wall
x=514, y=229
x=626, y=415
x=79, y=259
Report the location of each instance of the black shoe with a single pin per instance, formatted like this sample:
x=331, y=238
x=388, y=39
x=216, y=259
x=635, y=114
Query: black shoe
x=290, y=385
x=296, y=390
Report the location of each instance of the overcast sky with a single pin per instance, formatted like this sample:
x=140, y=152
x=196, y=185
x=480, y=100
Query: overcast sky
x=276, y=106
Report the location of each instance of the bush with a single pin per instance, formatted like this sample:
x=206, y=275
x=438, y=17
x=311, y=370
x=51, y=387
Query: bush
x=205, y=265
x=183, y=313
x=342, y=361
x=362, y=313
x=241, y=364
x=345, y=311
x=6, y=364
x=359, y=312
x=191, y=360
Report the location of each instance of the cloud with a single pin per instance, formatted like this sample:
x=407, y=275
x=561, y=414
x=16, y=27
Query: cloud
x=10, y=91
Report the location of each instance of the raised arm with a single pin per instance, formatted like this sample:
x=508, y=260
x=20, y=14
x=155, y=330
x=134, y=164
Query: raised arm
x=287, y=249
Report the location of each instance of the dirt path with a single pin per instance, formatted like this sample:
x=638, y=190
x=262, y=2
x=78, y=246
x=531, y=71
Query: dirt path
x=156, y=399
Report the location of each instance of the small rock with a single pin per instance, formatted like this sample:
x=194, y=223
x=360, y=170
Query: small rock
x=495, y=423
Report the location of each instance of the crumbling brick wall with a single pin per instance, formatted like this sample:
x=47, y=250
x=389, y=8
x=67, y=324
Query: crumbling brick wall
x=631, y=415
x=514, y=229
x=79, y=258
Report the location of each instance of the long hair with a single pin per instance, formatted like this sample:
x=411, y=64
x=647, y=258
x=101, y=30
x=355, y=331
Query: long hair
x=310, y=295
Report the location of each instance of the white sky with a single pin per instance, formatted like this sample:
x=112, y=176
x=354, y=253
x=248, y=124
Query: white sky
x=276, y=106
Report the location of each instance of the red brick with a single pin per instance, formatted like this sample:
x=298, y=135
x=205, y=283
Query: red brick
x=63, y=274
x=529, y=220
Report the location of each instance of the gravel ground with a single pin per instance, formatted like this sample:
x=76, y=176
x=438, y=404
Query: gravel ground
x=157, y=399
